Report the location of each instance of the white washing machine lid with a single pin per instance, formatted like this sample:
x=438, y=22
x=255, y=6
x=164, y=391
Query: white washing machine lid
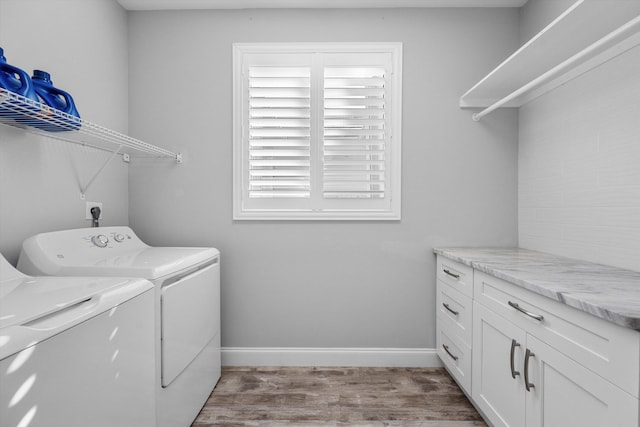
x=74, y=253
x=35, y=308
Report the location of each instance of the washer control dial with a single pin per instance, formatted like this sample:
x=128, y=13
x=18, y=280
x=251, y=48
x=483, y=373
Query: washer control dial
x=100, y=240
x=119, y=237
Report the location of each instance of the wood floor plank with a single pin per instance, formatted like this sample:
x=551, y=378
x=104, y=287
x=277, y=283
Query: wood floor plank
x=412, y=397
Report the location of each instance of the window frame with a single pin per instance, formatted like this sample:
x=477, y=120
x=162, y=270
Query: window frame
x=392, y=178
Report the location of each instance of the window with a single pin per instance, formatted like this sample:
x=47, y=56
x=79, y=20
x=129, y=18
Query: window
x=317, y=131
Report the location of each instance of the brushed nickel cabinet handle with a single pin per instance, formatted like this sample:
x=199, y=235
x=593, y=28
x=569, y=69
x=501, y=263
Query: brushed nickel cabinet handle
x=455, y=276
x=514, y=344
x=528, y=354
x=446, y=348
x=455, y=313
x=515, y=305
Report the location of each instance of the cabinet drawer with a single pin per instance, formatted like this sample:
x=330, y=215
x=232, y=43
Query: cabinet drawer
x=454, y=312
x=607, y=349
x=456, y=356
x=456, y=274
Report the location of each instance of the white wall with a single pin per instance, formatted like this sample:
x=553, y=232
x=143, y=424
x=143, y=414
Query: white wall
x=325, y=284
x=579, y=165
x=83, y=44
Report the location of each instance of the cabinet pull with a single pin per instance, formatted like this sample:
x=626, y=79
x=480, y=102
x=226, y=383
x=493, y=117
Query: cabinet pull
x=455, y=313
x=515, y=305
x=446, y=348
x=455, y=276
x=514, y=344
x=528, y=354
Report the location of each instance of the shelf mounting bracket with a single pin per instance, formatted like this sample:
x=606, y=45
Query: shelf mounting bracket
x=83, y=190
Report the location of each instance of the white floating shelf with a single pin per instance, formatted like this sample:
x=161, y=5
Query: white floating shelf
x=586, y=35
x=29, y=115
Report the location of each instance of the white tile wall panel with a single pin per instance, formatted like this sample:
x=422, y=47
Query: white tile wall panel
x=579, y=167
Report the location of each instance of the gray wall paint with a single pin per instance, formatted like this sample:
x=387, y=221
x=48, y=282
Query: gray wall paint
x=324, y=284
x=83, y=44
x=537, y=14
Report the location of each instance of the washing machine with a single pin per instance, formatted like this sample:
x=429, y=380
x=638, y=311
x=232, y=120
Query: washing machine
x=76, y=351
x=187, y=301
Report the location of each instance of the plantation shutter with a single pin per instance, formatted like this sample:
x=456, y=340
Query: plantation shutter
x=354, y=134
x=276, y=131
x=316, y=132
x=357, y=138
x=279, y=132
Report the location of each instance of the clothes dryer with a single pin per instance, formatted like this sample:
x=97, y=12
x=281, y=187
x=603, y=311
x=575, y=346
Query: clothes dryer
x=76, y=351
x=187, y=301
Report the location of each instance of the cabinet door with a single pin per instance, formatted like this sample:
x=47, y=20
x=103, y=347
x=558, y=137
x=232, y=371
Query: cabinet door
x=497, y=357
x=565, y=394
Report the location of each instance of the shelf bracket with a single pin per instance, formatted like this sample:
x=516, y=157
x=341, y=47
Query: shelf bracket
x=83, y=190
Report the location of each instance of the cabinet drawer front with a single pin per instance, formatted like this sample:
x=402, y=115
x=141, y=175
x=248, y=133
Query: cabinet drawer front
x=458, y=275
x=607, y=349
x=456, y=356
x=454, y=312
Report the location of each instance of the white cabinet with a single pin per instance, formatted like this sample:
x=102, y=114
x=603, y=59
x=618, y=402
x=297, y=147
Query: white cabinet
x=537, y=362
x=565, y=393
x=526, y=360
x=454, y=319
x=611, y=351
x=498, y=384
x=518, y=380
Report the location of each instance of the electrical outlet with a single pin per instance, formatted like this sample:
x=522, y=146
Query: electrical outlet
x=88, y=207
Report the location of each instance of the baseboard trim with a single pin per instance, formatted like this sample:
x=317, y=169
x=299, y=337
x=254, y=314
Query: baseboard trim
x=306, y=356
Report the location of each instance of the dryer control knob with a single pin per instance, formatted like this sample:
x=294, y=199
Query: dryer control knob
x=119, y=237
x=100, y=240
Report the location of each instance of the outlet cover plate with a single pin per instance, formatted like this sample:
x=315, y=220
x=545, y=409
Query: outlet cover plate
x=89, y=205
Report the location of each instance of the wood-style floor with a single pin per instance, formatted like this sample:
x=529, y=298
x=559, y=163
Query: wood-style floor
x=412, y=397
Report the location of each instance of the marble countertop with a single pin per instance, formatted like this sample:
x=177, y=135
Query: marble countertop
x=607, y=292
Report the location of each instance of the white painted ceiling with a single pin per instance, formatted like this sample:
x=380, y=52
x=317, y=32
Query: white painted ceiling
x=308, y=4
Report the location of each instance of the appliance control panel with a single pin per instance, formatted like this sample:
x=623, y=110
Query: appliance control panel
x=84, y=245
x=105, y=239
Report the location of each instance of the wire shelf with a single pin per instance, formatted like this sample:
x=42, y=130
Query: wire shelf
x=35, y=117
